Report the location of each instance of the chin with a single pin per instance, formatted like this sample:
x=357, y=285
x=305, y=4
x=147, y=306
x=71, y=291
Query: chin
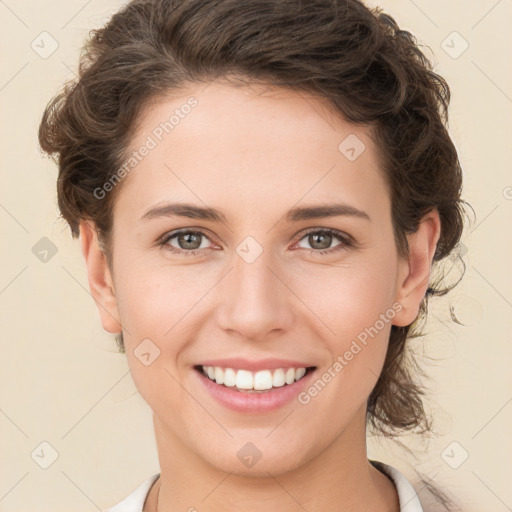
x=253, y=460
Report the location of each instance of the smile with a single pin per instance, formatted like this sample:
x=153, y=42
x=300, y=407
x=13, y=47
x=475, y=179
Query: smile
x=254, y=382
x=248, y=392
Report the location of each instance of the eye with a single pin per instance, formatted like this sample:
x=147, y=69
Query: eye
x=321, y=239
x=188, y=242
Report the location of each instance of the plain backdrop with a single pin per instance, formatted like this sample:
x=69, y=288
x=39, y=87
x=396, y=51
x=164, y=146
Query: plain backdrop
x=67, y=400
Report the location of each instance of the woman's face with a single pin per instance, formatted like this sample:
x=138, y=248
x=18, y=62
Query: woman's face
x=267, y=281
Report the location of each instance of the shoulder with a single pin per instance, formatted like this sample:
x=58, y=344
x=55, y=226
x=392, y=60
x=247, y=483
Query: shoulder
x=135, y=501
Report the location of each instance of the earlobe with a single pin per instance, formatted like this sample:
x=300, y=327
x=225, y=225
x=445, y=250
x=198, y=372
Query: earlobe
x=100, y=280
x=414, y=272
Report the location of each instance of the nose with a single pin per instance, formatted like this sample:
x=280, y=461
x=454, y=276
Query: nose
x=255, y=302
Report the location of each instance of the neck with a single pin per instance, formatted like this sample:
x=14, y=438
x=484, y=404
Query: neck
x=340, y=478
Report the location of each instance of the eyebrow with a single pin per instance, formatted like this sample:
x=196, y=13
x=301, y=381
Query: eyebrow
x=294, y=215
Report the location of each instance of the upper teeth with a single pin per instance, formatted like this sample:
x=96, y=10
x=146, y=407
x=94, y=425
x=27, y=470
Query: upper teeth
x=244, y=379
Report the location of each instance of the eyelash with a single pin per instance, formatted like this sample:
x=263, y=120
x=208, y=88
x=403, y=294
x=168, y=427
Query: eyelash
x=346, y=241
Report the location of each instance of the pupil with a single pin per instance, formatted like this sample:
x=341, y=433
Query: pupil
x=325, y=237
x=187, y=238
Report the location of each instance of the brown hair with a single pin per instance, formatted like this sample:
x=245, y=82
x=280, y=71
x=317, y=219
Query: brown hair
x=369, y=70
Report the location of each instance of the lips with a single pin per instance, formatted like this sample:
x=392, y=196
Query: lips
x=239, y=363
x=251, y=401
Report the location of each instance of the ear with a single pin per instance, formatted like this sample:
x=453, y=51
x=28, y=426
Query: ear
x=414, y=271
x=100, y=279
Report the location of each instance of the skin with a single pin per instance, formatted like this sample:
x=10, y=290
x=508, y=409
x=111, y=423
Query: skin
x=254, y=154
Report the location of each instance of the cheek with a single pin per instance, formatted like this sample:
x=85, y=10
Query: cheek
x=368, y=316
x=354, y=305
x=152, y=300
x=358, y=310
x=348, y=299
x=155, y=305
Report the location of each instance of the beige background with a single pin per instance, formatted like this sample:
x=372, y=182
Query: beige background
x=61, y=381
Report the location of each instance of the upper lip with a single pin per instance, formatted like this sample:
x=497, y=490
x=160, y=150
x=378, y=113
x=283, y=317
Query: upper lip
x=240, y=363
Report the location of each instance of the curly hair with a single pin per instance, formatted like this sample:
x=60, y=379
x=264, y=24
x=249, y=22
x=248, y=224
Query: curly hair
x=371, y=72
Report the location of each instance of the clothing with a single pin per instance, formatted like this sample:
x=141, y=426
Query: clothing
x=407, y=496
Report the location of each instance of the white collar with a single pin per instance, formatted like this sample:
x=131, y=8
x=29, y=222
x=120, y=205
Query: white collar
x=407, y=497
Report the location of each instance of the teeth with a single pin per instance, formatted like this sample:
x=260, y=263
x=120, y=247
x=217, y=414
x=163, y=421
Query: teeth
x=278, y=378
x=263, y=380
x=253, y=382
x=219, y=376
x=229, y=377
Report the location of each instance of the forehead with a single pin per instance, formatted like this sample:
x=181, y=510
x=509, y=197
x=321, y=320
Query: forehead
x=254, y=145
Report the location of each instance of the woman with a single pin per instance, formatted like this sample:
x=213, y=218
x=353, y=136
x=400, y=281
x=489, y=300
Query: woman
x=262, y=190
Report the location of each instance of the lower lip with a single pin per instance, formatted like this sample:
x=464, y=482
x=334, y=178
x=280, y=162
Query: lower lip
x=254, y=402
